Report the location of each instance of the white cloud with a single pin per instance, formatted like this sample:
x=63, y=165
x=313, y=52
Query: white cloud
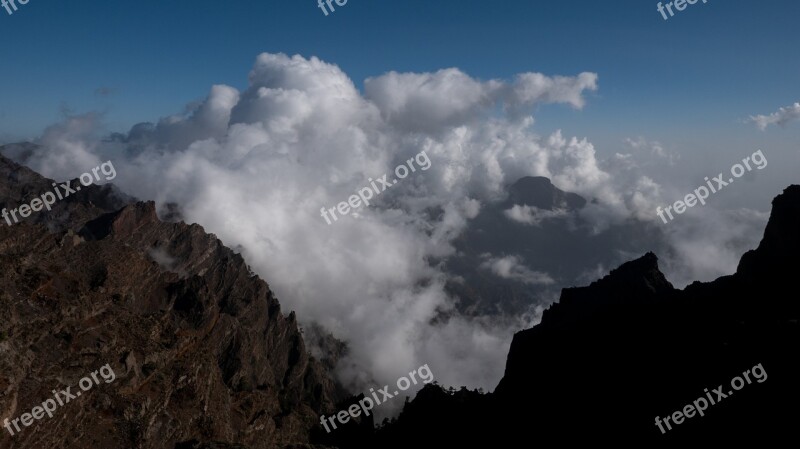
x=644, y=198
x=781, y=117
x=531, y=215
x=431, y=102
x=710, y=245
x=533, y=88
x=511, y=267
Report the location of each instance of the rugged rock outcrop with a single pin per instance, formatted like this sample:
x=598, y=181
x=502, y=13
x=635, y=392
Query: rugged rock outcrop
x=203, y=355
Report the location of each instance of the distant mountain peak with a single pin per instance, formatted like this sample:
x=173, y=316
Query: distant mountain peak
x=538, y=191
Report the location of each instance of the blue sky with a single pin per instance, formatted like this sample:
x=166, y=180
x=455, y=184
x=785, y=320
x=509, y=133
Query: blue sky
x=699, y=72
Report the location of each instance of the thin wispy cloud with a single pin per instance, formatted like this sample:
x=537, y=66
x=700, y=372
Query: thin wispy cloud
x=531, y=215
x=512, y=267
x=781, y=117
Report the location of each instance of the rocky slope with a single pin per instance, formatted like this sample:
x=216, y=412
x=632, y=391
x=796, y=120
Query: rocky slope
x=202, y=353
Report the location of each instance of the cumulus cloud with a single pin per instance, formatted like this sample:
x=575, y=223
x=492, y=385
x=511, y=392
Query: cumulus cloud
x=511, y=267
x=531, y=215
x=255, y=167
x=533, y=88
x=627, y=190
x=429, y=102
x=781, y=117
x=208, y=120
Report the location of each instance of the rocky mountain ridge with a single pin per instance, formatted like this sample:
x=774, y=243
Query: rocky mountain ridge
x=203, y=355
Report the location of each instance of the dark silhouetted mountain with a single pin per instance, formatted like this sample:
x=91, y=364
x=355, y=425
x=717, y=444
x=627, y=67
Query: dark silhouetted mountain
x=539, y=192
x=611, y=357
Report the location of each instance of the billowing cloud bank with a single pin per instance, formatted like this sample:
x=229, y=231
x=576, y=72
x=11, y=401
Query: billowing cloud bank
x=255, y=168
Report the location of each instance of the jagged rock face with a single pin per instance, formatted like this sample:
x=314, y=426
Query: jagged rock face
x=203, y=355
x=611, y=357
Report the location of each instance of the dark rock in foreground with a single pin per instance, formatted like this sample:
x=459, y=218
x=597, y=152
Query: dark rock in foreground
x=611, y=357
